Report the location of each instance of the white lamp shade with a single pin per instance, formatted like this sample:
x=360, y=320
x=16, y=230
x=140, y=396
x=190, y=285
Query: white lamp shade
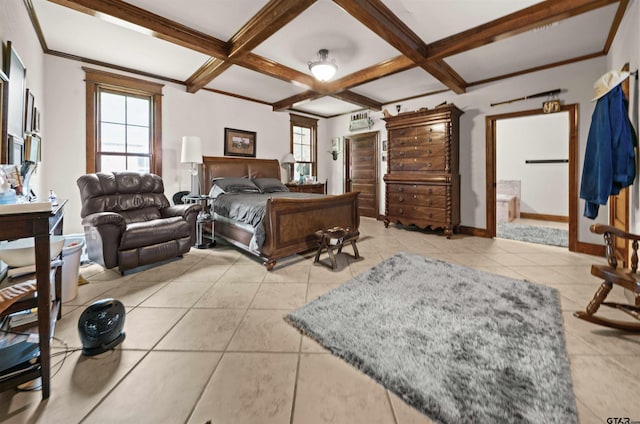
x=288, y=158
x=191, y=149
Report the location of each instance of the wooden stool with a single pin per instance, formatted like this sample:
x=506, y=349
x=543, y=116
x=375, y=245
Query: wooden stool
x=335, y=238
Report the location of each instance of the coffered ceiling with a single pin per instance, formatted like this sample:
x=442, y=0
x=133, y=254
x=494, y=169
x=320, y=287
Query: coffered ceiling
x=386, y=50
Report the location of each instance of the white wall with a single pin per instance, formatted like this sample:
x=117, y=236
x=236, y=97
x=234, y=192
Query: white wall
x=206, y=114
x=15, y=26
x=544, y=188
x=575, y=80
x=203, y=114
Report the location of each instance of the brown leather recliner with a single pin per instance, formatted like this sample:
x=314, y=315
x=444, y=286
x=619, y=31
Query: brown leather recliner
x=128, y=221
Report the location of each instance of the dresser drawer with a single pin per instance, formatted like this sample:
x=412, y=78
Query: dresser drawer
x=416, y=212
x=432, y=129
x=417, y=189
x=414, y=151
x=418, y=199
x=435, y=163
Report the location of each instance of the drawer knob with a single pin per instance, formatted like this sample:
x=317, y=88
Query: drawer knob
x=415, y=186
x=401, y=211
x=415, y=196
x=429, y=164
x=401, y=153
x=430, y=129
x=401, y=199
x=400, y=188
x=415, y=147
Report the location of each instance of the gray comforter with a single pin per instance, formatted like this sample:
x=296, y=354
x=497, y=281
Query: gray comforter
x=249, y=208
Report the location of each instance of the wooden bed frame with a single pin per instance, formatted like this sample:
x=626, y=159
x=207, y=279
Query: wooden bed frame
x=290, y=224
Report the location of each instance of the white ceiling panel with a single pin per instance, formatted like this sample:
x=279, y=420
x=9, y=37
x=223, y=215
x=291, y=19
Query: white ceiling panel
x=326, y=26
x=401, y=85
x=355, y=48
x=220, y=18
x=433, y=20
x=552, y=44
x=83, y=35
x=326, y=106
x=254, y=85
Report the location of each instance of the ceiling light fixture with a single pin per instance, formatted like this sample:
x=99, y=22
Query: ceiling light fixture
x=323, y=69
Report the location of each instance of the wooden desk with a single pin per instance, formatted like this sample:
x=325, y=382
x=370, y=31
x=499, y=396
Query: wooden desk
x=307, y=188
x=37, y=225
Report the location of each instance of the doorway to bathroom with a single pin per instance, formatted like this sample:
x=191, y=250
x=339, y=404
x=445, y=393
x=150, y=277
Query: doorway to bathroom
x=532, y=176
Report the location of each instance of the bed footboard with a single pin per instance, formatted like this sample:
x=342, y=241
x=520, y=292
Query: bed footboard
x=291, y=224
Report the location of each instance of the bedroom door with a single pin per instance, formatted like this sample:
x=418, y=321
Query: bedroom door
x=361, y=158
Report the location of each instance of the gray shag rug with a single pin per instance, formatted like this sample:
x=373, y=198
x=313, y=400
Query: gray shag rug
x=458, y=344
x=533, y=234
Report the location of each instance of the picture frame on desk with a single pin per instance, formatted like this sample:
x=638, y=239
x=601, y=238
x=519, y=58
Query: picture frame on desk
x=239, y=143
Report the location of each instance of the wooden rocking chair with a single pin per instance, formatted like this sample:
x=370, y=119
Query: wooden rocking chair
x=611, y=274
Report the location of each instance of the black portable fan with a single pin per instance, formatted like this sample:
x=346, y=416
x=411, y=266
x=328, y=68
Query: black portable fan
x=101, y=325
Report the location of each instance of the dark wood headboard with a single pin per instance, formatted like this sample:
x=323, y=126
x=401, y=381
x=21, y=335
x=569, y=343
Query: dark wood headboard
x=216, y=166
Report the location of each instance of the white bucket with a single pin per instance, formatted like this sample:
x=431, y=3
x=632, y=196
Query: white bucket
x=71, y=253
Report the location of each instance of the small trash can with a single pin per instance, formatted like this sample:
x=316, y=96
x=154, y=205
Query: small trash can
x=71, y=253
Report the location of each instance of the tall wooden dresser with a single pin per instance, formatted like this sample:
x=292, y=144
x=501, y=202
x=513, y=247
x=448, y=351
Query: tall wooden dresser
x=423, y=179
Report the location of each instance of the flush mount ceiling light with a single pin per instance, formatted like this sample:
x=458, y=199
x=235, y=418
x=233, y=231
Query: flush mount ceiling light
x=323, y=69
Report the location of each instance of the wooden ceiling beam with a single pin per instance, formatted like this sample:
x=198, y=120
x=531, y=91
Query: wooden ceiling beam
x=357, y=99
x=271, y=18
x=273, y=69
x=160, y=27
x=379, y=19
x=539, y=14
x=206, y=73
x=372, y=73
x=290, y=101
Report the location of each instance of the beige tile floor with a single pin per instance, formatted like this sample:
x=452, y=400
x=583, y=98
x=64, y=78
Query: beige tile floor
x=206, y=341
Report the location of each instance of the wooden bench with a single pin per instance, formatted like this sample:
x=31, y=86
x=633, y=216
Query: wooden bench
x=335, y=238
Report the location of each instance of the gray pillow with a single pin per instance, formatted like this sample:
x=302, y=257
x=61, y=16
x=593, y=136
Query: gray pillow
x=235, y=185
x=269, y=185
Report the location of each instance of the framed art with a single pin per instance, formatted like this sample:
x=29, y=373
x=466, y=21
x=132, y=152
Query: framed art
x=32, y=148
x=36, y=120
x=4, y=146
x=17, y=74
x=28, y=111
x=239, y=143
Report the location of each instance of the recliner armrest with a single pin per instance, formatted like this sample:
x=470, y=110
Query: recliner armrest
x=104, y=218
x=103, y=231
x=180, y=210
x=188, y=212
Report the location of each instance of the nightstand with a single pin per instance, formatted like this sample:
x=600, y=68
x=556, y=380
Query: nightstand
x=204, y=217
x=307, y=188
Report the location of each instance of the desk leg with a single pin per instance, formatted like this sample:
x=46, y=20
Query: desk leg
x=43, y=266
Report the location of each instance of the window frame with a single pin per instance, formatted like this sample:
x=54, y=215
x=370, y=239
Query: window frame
x=312, y=124
x=96, y=81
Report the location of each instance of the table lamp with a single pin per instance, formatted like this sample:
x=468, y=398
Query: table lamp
x=192, y=153
x=289, y=160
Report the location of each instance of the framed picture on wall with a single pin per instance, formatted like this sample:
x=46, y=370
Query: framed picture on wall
x=239, y=143
x=17, y=74
x=28, y=111
x=4, y=81
x=36, y=120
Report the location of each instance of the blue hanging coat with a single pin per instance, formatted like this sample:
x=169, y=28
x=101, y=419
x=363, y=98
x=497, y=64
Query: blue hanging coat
x=609, y=161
